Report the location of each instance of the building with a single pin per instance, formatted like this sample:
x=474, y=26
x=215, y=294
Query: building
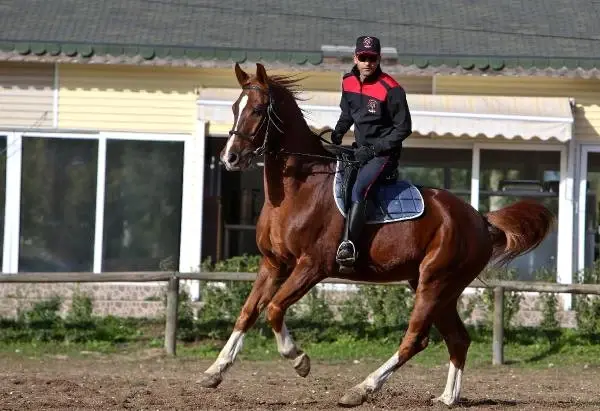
x=112, y=115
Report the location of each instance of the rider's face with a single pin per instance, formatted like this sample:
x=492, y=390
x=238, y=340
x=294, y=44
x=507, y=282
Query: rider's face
x=366, y=63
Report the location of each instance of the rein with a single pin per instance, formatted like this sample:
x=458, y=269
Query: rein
x=320, y=135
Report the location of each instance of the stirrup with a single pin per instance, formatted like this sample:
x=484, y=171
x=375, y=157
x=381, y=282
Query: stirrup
x=346, y=261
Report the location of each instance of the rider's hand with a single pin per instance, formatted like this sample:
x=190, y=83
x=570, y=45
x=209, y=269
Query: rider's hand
x=336, y=138
x=363, y=154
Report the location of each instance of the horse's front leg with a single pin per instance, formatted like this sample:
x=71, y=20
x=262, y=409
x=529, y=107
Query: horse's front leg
x=306, y=274
x=269, y=278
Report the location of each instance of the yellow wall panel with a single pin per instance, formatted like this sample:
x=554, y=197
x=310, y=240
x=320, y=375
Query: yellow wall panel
x=121, y=98
x=26, y=95
x=585, y=92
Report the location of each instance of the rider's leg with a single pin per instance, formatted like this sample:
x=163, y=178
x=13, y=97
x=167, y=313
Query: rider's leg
x=367, y=175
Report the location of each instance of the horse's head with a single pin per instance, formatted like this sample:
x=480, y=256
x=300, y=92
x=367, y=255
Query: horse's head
x=253, y=117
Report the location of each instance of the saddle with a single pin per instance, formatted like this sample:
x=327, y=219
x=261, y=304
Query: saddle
x=392, y=199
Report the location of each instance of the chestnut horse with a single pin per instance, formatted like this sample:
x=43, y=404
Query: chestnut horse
x=438, y=253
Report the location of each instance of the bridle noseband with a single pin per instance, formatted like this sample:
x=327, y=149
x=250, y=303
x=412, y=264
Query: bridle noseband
x=269, y=119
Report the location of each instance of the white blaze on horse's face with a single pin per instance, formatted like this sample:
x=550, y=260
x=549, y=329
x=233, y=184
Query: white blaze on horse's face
x=229, y=156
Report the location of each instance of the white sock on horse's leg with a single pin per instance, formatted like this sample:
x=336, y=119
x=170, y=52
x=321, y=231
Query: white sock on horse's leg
x=288, y=349
x=358, y=394
x=451, y=393
x=228, y=354
x=378, y=377
x=285, y=343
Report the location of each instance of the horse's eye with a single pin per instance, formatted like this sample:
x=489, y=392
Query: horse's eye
x=257, y=110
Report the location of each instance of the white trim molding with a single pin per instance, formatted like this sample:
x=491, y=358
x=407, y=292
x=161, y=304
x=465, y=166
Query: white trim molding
x=190, y=256
x=100, y=196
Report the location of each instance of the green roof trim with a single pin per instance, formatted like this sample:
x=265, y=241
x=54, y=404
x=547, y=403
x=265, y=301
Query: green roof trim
x=162, y=53
x=39, y=49
x=497, y=64
x=22, y=48
x=294, y=57
x=85, y=51
x=69, y=49
x=53, y=49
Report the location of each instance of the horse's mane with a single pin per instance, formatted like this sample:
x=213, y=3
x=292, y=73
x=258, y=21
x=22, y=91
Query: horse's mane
x=290, y=85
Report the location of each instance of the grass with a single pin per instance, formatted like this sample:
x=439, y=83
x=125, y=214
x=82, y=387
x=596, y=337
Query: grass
x=323, y=341
x=345, y=349
x=40, y=349
x=537, y=355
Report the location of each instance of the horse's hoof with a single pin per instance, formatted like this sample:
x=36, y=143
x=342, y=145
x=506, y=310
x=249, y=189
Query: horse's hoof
x=210, y=380
x=441, y=400
x=302, y=365
x=353, y=398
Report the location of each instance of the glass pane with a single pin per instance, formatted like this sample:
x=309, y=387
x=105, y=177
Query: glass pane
x=592, y=210
x=3, y=153
x=508, y=176
x=142, y=215
x=449, y=169
x=58, y=202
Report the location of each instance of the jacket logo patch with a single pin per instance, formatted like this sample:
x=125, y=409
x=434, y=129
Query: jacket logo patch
x=372, y=106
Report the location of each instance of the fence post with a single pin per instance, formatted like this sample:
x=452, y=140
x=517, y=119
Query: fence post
x=498, y=328
x=171, y=315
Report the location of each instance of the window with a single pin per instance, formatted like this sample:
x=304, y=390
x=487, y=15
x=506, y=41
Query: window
x=58, y=202
x=438, y=168
x=592, y=210
x=142, y=215
x=508, y=176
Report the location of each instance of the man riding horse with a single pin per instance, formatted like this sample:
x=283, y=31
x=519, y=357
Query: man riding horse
x=376, y=104
x=299, y=226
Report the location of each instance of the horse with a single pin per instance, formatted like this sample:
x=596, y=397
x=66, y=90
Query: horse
x=439, y=253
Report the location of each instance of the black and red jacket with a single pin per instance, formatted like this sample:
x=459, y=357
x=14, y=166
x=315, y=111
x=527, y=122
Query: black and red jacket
x=377, y=108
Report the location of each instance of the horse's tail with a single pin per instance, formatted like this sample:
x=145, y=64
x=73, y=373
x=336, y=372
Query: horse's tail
x=517, y=229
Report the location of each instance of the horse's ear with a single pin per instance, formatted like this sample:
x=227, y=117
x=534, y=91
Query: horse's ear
x=241, y=75
x=261, y=74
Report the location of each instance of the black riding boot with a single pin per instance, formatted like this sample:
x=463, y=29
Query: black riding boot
x=347, y=252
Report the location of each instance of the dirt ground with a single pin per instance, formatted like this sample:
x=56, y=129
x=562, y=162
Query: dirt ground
x=150, y=381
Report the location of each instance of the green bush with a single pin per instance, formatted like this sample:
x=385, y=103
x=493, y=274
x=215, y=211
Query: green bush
x=512, y=299
x=354, y=310
x=317, y=309
x=43, y=323
x=548, y=301
x=588, y=307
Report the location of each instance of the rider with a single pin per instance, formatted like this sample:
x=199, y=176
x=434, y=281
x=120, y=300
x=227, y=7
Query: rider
x=376, y=104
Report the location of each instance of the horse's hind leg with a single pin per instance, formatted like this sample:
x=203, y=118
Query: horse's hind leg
x=457, y=339
x=267, y=281
x=301, y=280
x=427, y=302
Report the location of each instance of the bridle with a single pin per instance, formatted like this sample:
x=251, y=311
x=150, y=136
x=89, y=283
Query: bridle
x=269, y=119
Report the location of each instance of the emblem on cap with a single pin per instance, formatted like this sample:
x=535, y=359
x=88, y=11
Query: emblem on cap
x=368, y=42
x=372, y=106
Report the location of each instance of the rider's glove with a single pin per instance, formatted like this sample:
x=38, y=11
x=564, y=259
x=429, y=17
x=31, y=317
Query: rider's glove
x=364, y=154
